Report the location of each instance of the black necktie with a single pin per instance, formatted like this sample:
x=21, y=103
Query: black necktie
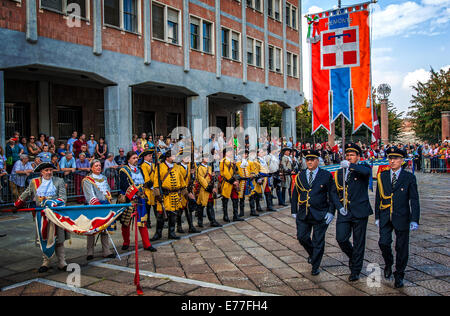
x=310, y=178
x=394, y=179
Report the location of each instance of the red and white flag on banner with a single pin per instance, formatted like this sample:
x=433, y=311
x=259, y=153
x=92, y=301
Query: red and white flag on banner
x=376, y=135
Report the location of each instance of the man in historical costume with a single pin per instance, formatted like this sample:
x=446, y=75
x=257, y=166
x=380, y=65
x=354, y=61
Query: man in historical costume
x=286, y=168
x=354, y=209
x=132, y=190
x=188, y=205
x=273, y=163
x=97, y=191
x=169, y=188
x=262, y=183
x=229, y=184
x=205, y=179
x=148, y=170
x=48, y=191
x=313, y=201
x=397, y=209
x=246, y=184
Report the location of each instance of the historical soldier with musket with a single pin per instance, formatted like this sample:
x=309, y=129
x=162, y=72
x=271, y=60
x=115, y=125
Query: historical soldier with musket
x=229, y=184
x=132, y=190
x=397, y=209
x=354, y=208
x=187, y=170
x=48, y=191
x=313, y=200
x=262, y=185
x=169, y=188
x=246, y=184
x=205, y=179
x=148, y=170
x=96, y=191
x=286, y=168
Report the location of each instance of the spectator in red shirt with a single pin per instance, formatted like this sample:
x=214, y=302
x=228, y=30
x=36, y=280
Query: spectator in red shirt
x=78, y=143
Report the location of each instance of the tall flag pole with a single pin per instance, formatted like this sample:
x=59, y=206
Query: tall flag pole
x=340, y=66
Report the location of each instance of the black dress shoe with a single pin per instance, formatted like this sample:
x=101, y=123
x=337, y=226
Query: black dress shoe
x=226, y=219
x=125, y=247
x=387, y=272
x=111, y=256
x=238, y=219
x=180, y=230
x=315, y=272
x=151, y=248
x=215, y=224
x=43, y=269
x=398, y=283
x=193, y=230
x=89, y=257
x=353, y=277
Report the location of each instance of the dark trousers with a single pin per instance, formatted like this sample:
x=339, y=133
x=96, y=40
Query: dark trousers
x=401, y=248
x=315, y=246
x=354, y=252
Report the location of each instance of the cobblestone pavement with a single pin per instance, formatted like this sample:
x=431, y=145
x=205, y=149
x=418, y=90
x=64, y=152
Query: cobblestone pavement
x=260, y=256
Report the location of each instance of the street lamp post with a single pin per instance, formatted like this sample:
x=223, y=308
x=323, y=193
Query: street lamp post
x=384, y=90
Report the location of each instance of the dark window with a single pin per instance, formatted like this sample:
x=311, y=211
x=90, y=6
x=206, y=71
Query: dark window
x=69, y=120
x=158, y=21
x=258, y=55
x=172, y=26
x=270, y=7
x=288, y=14
x=250, y=51
x=130, y=15
x=52, y=4
x=17, y=118
x=271, y=57
x=112, y=12
x=173, y=121
x=145, y=121
x=81, y=3
x=294, y=18
x=225, y=45
x=207, y=37
x=235, y=46
x=195, y=43
x=222, y=123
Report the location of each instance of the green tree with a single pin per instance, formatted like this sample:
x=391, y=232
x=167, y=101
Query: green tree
x=270, y=115
x=304, y=125
x=429, y=100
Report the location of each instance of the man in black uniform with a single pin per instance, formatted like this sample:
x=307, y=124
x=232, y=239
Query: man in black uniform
x=313, y=201
x=396, y=208
x=354, y=208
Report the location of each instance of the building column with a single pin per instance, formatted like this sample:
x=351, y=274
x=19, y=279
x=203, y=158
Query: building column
x=384, y=121
x=186, y=35
x=218, y=40
x=289, y=123
x=198, y=118
x=118, y=117
x=31, y=34
x=445, y=124
x=44, y=108
x=97, y=26
x=2, y=110
x=251, y=121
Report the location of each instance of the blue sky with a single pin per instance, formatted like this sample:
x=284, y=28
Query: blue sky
x=409, y=37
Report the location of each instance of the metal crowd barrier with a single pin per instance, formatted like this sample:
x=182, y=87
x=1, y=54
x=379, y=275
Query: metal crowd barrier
x=73, y=185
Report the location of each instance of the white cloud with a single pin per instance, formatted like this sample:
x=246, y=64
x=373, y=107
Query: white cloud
x=314, y=9
x=412, y=78
x=410, y=18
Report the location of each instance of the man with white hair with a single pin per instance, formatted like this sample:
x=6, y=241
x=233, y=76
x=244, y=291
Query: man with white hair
x=21, y=170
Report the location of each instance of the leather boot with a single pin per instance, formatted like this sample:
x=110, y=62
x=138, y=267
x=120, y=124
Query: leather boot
x=269, y=202
x=252, y=206
x=179, y=224
x=159, y=227
x=225, y=210
x=241, y=207
x=236, y=217
x=258, y=200
x=190, y=221
x=172, y=223
x=211, y=215
x=60, y=254
x=199, y=215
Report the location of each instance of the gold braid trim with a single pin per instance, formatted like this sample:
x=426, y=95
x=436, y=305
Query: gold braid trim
x=299, y=186
x=385, y=197
x=341, y=188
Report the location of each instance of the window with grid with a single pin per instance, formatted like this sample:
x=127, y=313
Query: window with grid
x=172, y=26
x=225, y=45
x=289, y=64
x=158, y=21
x=270, y=7
x=288, y=14
x=112, y=12
x=278, y=60
x=130, y=22
x=250, y=52
x=294, y=65
x=80, y=3
x=277, y=7
x=271, y=58
x=195, y=33
x=207, y=31
x=258, y=53
x=294, y=17
x=56, y=5
x=235, y=46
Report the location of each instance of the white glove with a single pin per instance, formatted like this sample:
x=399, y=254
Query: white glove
x=377, y=222
x=413, y=226
x=294, y=215
x=343, y=211
x=328, y=218
x=345, y=164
